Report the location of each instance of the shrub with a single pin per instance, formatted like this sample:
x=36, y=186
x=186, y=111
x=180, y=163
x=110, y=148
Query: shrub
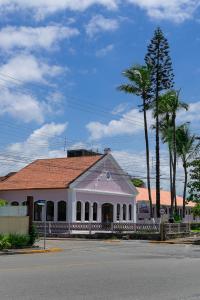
x=19, y=240
x=195, y=226
x=33, y=235
x=3, y=202
x=4, y=243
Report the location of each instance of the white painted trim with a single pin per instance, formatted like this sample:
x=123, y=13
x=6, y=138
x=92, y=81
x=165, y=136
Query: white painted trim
x=101, y=162
x=104, y=193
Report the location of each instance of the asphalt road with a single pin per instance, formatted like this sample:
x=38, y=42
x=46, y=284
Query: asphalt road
x=99, y=270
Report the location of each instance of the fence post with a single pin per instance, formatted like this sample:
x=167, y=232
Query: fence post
x=90, y=228
x=112, y=227
x=179, y=228
x=162, y=232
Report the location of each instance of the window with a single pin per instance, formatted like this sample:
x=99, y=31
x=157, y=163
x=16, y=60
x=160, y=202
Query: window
x=118, y=212
x=78, y=211
x=37, y=212
x=124, y=212
x=95, y=211
x=130, y=212
x=108, y=175
x=87, y=211
x=50, y=211
x=24, y=203
x=61, y=211
x=15, y=203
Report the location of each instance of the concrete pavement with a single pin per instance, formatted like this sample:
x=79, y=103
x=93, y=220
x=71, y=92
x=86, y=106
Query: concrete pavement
x=97, y=270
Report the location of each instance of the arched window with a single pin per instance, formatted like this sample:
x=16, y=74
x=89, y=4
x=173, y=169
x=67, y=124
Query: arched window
x=61, y=211
x=15, y=203
x=130, y=212
x=95, y=211
x=24, y=203
x=87, y=211
x=78, y=211
x=50, y=211
x=118, y=212
x=124, y=212
x=37, y=212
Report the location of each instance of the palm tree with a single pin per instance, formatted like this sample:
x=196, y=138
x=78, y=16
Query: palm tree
x=139, y=77
x=169, y=105
x=187, y=148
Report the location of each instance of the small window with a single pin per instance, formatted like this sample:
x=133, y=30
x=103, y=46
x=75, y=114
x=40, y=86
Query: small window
x=95, y=211
x=130, y=212
x=61, y=211
x=78, y=211
x=124, y=212
x=15, y=203
x=87, y=211
x=50, y=211
x=108, y=175
x=118, y=212
x=37, y=212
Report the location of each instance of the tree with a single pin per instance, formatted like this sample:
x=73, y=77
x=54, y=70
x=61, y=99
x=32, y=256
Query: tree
x=187, y=149
x=159, y=62
x=139, y=84
x=169, y=105
x=137, y=182
x=196, y=210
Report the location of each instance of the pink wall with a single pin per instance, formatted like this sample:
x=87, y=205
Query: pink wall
x=20, y=196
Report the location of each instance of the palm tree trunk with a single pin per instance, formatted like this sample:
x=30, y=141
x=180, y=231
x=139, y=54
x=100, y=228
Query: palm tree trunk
x=174, y=159
x=171, y=184
x=185, y=187
x=157, y=156
x=147, y=159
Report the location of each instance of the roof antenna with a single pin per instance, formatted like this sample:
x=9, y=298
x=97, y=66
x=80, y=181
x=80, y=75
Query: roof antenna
x=65, y=144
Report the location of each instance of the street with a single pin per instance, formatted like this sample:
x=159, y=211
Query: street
x=97, y=270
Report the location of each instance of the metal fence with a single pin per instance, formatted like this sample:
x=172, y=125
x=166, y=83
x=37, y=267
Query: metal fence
x=173, y=228
x=56, y=228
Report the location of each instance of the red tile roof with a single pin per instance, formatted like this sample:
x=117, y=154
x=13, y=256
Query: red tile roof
x=165, y=197
x=53, y=173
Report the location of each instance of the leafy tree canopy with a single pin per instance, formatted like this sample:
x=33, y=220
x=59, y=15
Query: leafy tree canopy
x=194, y=184
x=138, y=182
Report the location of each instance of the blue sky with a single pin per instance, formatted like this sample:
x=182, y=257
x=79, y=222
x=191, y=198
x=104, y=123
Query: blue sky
x=60, y=66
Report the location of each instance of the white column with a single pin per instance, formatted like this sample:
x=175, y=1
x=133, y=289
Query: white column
x=121, y=213
x=127, y=212
x=82, y=211
x=135, y=212
x=91, y=212
x=99, y=218
x=115, y=213
x=55, y=211
x=71, y=205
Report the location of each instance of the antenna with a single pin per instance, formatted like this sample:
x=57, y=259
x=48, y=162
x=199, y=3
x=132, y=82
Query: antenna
x=65, y=144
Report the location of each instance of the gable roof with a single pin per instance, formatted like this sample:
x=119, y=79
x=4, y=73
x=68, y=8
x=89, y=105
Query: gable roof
x=165, y=197
x=53, y=173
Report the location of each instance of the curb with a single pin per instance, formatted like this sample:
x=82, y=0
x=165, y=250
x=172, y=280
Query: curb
x=33, y=251
x=173, y=242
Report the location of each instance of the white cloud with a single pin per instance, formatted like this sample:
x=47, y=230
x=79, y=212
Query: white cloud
x=173, y=10
x=104, y=51
x=37, y=145
x=26, y=68
x=134, y=163
x=120, y=108
x=99, y=23
x=21, y=106
x=32, y=38
x=43, y=8
x=130, y=123
x=192, y=115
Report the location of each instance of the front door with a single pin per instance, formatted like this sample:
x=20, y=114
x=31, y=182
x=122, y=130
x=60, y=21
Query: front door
x=107, y=213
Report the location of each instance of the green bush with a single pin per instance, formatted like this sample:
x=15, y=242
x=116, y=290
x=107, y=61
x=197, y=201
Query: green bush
x=195, y=226
x=19, y=240
x=33, y=235
x=4, y=243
